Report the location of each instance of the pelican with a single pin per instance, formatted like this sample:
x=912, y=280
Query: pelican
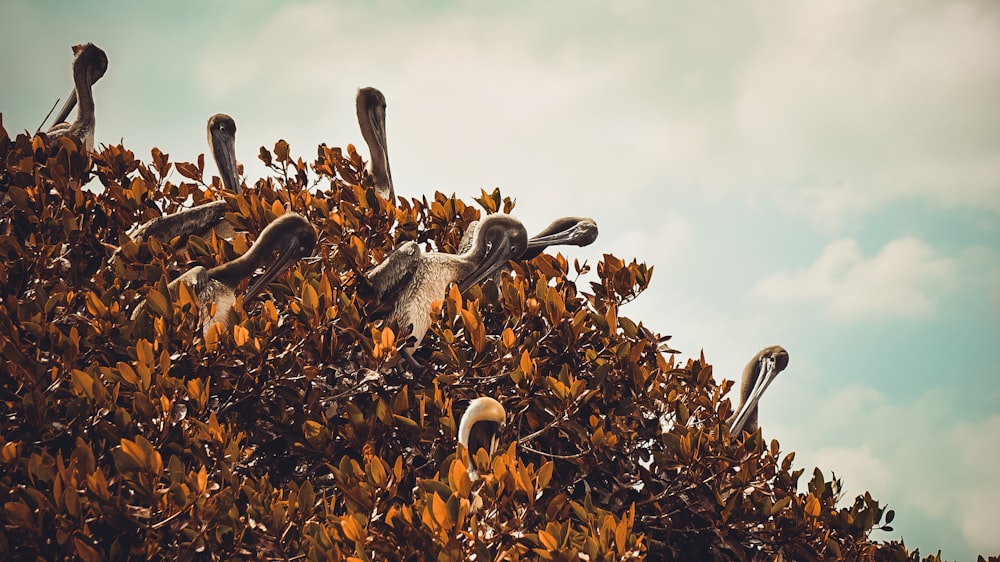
x=199, y=220
x=410, y=281
x=480, y=427
x=757, y=375
x=89, y=65
x=203, y=219
x=291, y=235
x=371, y=118
x=222, y=141
x=573, y=231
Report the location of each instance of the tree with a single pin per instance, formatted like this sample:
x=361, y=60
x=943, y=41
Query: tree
x=292, y=432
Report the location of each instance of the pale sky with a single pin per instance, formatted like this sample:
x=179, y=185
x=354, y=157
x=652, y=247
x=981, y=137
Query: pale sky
x=824, y=176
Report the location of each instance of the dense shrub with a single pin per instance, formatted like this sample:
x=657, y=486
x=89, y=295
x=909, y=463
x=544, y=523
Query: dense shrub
x=291, y=434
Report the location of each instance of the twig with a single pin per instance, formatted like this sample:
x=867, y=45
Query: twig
x=47, y=115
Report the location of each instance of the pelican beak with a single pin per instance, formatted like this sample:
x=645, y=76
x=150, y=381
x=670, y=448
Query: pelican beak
x=225, y=156
x=501, y=251
x=376, y=114
x=580, y=233
x=66, y=108
x=288, y=256
x=769, y=371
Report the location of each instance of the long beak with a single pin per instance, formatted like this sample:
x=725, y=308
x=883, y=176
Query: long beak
x=66, y=108
x=496, y=257
x=225, y=158
x=285, y=260
x=768, y=374
x=377, y=116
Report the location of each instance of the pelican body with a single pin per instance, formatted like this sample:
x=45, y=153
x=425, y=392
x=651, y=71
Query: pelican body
x=409, y=280
x=371, y=118
x=89, y=65
x=757, y=376
x=222, y=141
x=480, y=427
x=291, y=235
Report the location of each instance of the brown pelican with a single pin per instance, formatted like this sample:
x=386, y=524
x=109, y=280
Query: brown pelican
x=757, y=375
x=480, y=427
x=291, y=235
x=199, y=220
x=408, y=280
x=204, y=218
x=574, y=231
x=371, y=118
x=89, y=65
x=222, y=141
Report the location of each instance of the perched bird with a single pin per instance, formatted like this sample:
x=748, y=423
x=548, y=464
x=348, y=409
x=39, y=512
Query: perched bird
x=408, y=281
x=291, y=235
x=222, y=141
x=480, y=428
x=199, y=221
x=371, y=118
x=89, y=64
x=757, y=375
x=207, y=217
x=572, y=231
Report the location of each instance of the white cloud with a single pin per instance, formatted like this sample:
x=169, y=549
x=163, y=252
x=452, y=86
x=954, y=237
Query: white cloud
x=920, y=456
x=665, y=242
x=852, y=104
x=829, y=111
x=901, y=281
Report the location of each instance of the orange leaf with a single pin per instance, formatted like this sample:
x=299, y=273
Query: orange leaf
x=240, y=335
x=812, y=506
x=458, y=477
x=508, y=338
x=547, y=540
x=526, y=365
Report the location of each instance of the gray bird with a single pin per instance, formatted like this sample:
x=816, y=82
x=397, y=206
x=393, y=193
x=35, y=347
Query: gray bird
x=371, y=118
x=222, y=142
x=291, y=235
x=757, y=375
x=89, y=65
x=408, y=281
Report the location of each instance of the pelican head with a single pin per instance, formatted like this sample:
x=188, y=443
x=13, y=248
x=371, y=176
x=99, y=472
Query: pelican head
x=93, y=58
x=480, y=426
x=292, y=236
x=757, y=375
x=89, y=65
x=371, y=118
x=574, y=231
x=222, y=141
x=499, y=238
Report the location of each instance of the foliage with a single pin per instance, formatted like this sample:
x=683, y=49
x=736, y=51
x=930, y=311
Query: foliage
x=293, y=433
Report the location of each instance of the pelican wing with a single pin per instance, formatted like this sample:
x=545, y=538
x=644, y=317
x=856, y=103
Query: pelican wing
x=469, y=238
x=388, y=279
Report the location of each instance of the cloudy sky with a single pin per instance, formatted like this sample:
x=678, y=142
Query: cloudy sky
x=821, y=175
